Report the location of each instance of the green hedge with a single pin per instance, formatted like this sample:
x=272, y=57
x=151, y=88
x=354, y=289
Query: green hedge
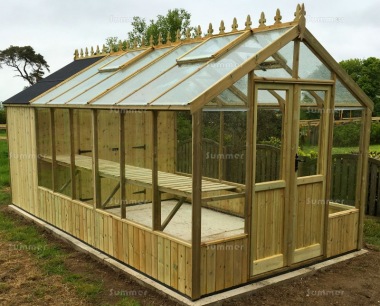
x=347, y=135
x=3, y=117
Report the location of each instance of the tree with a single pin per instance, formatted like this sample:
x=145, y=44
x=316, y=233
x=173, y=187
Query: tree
x=174, y=20
x=366, y=73
x=29, y=64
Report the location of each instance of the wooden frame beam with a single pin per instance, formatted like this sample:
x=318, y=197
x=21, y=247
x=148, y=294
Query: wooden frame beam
x=329, y=164
x=196, y=223
x=53, y=150
x=156, y=203
x=361, y=180
x=72, y=155
x=250, y=167
x=172, y=213
x=95, y=160
x=123, y=191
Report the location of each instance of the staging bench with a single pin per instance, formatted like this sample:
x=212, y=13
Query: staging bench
x=176, y=184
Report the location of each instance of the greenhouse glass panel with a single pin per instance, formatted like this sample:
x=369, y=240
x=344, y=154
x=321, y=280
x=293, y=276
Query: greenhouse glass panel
x=216, y=70
x=92, y=81
x=208, y=48
x=74, y=82
x=121, y=60
x=265, y=96
x=117, y=77
x=160, y=85
x=144, y=76
x=310, y=67
x=343, y=96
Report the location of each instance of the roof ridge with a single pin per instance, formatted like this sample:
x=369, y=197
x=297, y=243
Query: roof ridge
x=195, y=35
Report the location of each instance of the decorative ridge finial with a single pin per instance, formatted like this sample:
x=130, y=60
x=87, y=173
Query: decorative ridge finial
x=278, y=17
x=301, y=21
x=168, y=39
x=248, y=23
x=210, y=30
x=222, y=28
x=234, y=25
x=262, y=20
x=199, y=32
x=188, y=34
x=159, y=39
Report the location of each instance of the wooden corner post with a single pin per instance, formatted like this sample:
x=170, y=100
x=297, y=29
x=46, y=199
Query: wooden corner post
x=250, y=165
x=196, y=205
x=361, y=180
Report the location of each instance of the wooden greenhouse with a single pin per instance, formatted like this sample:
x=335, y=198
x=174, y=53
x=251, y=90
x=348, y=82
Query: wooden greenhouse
x=188, y=159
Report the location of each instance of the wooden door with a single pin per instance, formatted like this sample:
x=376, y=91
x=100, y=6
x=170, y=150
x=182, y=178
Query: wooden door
x=272, y=130
x=310, y=153
x=290, y=158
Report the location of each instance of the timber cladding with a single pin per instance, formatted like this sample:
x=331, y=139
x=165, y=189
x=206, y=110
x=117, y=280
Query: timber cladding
x=22, y=156
x=166, y=259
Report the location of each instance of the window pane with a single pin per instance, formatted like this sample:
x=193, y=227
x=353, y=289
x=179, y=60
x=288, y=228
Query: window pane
x=345, y=156
x=62, y=147
x=310, y=67
x=83, y=155
x=44, y=147
x=344, y=97
x=269, y=141
x=309, y=132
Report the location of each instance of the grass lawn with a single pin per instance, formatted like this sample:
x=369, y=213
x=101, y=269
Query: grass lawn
x=372, y=232
x=51, y=257
x=341, y=150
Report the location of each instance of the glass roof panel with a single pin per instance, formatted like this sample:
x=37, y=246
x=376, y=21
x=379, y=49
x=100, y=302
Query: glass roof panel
x=160, y=85
x=188, y=90
x=121, y=60
x=310, y=67
x=208, y=48
x=343, y=96
x=93, y=80
x=75, y=81
x=143, y=77
x=117, y=77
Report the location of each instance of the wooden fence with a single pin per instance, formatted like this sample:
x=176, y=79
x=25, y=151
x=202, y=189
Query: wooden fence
x=228, y=164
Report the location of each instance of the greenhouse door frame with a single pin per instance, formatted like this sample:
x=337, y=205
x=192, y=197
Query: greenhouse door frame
x=289, y=215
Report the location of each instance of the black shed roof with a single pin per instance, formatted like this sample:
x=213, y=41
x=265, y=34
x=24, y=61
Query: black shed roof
x=50, y=81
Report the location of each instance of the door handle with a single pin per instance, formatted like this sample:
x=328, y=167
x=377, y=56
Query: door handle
x=298, y=160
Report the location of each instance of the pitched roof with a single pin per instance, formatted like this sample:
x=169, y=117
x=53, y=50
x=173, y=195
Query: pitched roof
x=210, y=70
x=25, y=96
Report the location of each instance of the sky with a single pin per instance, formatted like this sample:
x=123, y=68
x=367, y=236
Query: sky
x=346, y=28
